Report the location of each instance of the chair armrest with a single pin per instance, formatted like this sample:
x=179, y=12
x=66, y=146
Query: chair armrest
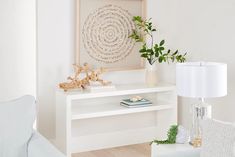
x=40, y=147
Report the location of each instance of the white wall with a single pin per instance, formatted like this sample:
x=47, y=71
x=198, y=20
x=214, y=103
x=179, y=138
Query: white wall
x=204, y=29
x=56, y=20
x=17, y=48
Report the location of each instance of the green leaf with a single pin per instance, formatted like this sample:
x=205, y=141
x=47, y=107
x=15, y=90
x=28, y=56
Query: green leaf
x=160, y=59
x=144, y=55
x=156, y=48
x=137, y=18
x=175, y=52
x=146, y=30
x=164, y=55
x=149, y=50
x=162, y=42
x=139, y=40
x=161, y=48
x=144, y=46
x=156, y=54
x=142, y=50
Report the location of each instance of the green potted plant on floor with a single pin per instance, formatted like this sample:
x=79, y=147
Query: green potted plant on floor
x=152, y=52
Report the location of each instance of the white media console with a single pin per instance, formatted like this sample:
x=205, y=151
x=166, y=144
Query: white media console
x=88, y=121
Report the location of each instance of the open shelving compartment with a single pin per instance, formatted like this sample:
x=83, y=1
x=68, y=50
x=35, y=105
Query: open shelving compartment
x=90, y=121
x=112, y=109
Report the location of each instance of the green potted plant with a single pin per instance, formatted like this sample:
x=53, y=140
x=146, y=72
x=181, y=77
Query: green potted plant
x=152, y=52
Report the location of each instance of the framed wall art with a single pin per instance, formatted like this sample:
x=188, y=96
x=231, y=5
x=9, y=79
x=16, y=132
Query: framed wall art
x=103, y=29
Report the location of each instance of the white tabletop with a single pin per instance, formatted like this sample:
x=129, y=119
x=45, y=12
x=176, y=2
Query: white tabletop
x=174, y=150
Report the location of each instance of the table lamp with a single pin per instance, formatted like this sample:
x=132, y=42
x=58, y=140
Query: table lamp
x=201, y=80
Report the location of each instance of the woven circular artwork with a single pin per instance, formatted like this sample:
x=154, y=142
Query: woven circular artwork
x=105, y=34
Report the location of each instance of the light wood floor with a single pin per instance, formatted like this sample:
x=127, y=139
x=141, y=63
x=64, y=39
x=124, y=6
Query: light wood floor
x=138, y=150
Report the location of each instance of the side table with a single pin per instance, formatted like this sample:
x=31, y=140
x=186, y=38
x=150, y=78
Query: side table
x=174, y=150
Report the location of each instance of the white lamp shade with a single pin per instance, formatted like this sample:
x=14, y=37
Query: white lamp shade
x=201, y=79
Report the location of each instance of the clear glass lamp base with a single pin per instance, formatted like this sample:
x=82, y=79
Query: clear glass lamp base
x=200, y=112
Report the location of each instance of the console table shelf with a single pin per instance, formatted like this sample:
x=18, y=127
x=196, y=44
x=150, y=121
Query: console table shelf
x=120, y=90
x=95, y=111
x=83, y=117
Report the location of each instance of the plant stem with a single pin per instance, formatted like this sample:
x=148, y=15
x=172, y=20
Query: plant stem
x=151, y=35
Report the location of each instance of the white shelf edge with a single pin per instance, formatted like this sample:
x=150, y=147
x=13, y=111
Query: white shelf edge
x=121, y=111
x=124, y=90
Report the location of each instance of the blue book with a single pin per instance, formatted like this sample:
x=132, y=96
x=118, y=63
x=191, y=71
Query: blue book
x=135, y=106
x=133, y=103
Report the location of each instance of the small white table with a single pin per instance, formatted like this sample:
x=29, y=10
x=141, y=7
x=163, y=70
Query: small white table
x=174, y=150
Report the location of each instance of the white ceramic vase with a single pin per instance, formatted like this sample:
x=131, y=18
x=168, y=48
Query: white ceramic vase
x=151, y=74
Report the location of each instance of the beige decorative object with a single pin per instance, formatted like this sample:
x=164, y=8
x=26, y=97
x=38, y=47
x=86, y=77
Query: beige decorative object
x=182, y=136
x=105, y=34
x=103, y=29
x=90, y=76
x=136, y=98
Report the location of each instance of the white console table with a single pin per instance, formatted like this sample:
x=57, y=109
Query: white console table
x=88, y=121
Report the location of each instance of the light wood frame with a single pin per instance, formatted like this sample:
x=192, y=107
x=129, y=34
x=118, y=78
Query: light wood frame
x=77, y=53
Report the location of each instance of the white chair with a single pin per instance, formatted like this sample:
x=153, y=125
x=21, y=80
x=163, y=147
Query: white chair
x=17, y=137
x=218, y=140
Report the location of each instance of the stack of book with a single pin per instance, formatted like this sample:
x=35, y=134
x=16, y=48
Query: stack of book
x=131, y=104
